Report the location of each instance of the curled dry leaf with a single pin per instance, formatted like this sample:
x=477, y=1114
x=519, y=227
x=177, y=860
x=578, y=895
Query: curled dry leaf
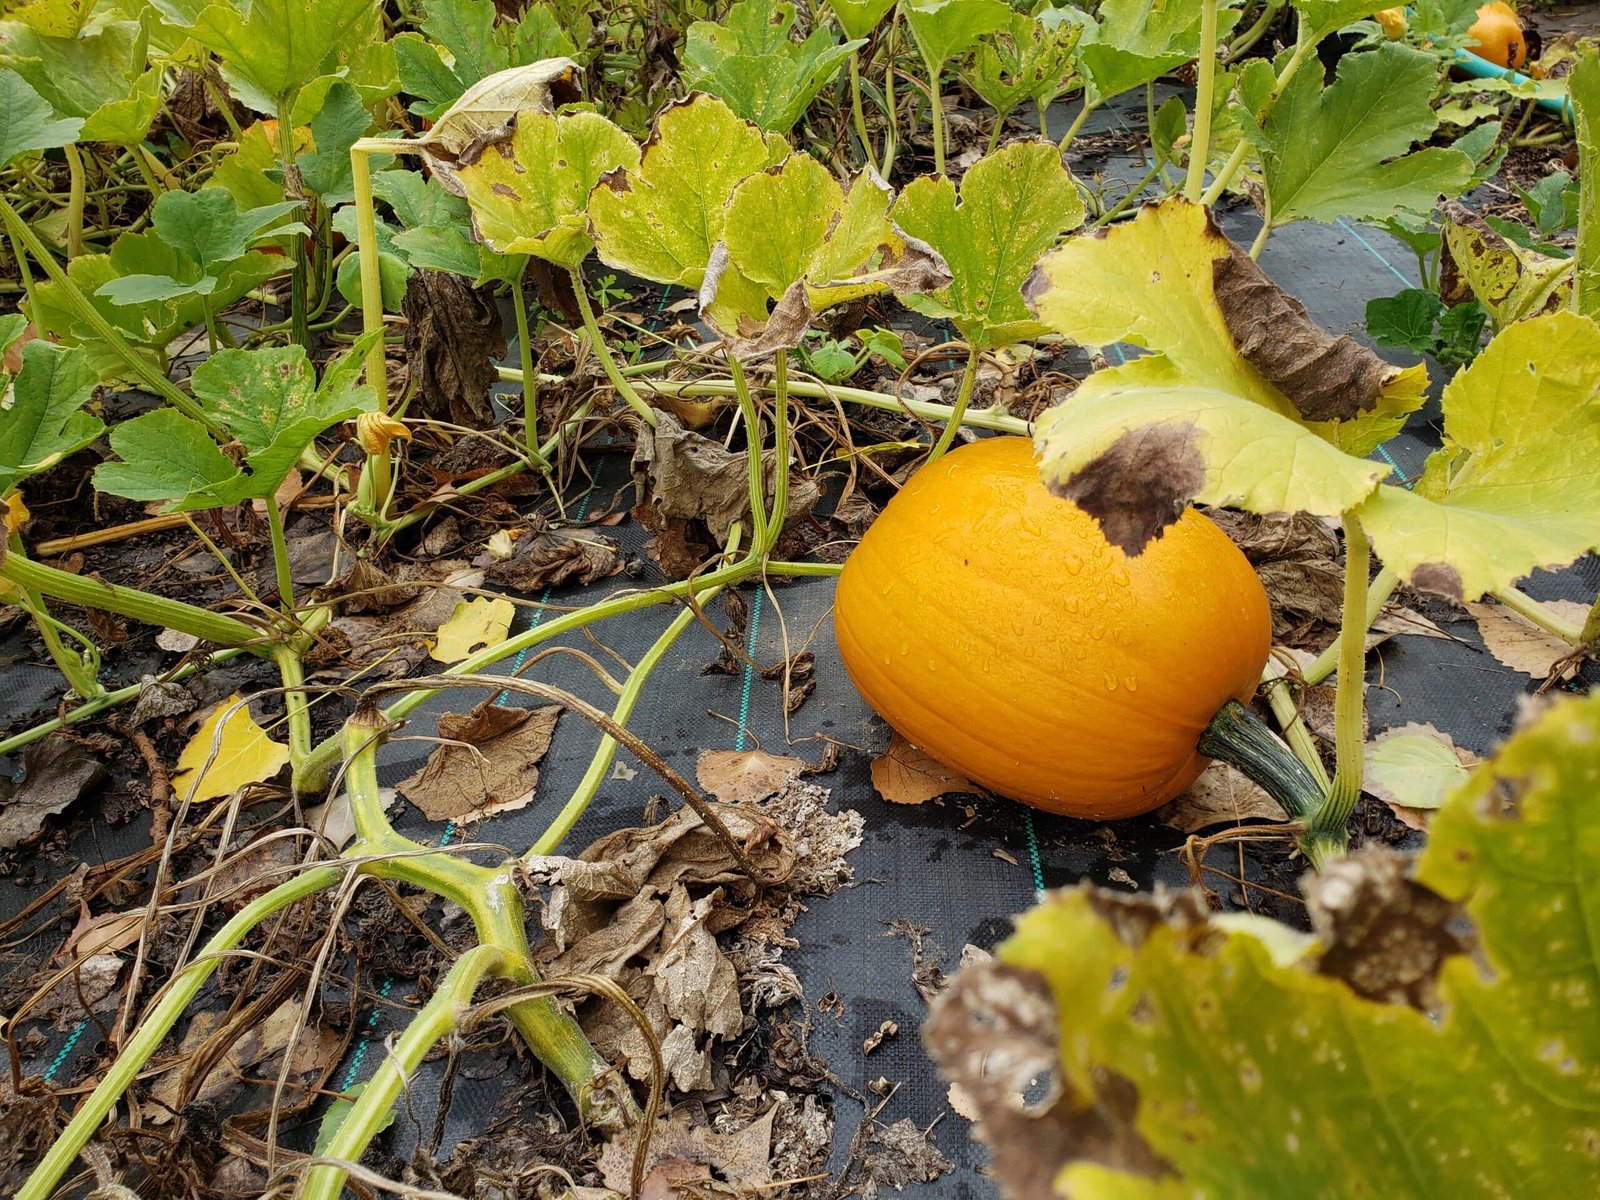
x=489, y=764
x=1297, y=558
x=244, y=754
x=543, y=557
x=906, y=774
x=487, y=110
x=1221, y=795
x=691, y=490
x=55, y=773
x=682, y=1152
x=454, y=337
x=1521, y=645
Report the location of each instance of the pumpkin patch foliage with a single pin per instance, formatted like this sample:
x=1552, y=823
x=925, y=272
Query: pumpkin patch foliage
x=483, y=484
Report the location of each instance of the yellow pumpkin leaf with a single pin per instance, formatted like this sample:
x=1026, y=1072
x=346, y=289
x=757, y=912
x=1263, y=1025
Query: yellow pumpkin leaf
x=474, y=625
x=245, y=755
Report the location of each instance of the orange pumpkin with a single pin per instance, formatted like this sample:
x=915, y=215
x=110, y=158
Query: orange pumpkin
x=993, y=625
x=1499, y=37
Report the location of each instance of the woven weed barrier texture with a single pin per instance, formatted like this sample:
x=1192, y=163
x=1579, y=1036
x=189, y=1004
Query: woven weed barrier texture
x=929, y=879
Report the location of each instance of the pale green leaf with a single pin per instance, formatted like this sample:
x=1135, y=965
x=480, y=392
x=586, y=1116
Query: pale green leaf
x=127, y=121
x=858, y=18
x=529, y=194
x=42, y=418
x=1150, y=282
x=1325, y=16
x=1342, y=151
x=1190, y=1062
x=661, y=221
x=1014, y=205
x=1414, y=766
x=751, y=63
x=943, y=29
x=1023, y=60
x=27, y=122
x=342, y=120
x=1585, y=84
x=78, y=75
x=53, y=18
x=1516, y=484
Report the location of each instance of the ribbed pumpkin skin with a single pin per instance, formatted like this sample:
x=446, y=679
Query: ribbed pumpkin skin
x=992, y=624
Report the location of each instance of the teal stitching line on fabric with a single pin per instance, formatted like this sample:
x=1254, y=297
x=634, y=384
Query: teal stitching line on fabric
x=1374, y=251
x=749, y=671
x=366, y=1039
x=72, y=1040
x=1033, y=850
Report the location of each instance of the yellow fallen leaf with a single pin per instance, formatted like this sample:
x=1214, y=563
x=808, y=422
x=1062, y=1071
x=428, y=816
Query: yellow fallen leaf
x=474, y=625
x=246, y=755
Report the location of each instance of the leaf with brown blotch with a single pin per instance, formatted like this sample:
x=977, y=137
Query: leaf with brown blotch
x=490, y=764
x=1412, y=768
x=906, y=774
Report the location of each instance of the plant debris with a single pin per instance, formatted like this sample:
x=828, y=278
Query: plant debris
x=489, y=763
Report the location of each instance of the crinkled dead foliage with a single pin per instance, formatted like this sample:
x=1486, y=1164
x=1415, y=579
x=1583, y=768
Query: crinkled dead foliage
x=1197, y=1056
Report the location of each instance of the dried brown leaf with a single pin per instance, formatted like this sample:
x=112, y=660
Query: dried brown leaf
x=679, y=1148
x=493, y=770
x=454, y=337
x=55, y=773
x=1521, y=645
x=543, y=557
x=733, y=776
x=906, y=774
x=1221, y=794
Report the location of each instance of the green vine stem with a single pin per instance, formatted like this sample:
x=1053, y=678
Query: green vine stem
x=1248, y=39
x=76, y=188
x=1383, y=586
x=438, y=1019
x=153, y=1030
x=1237, y=737
x=139, y=367
x=490, y=896
x=294, y=189
x=1280, y=699
x=1077, y=123
x=891, y=133
x=959, y=409
x=1304, y=48
x=1527, y=607
x=780, y=440
x=80, y=676
x=589, y=785
x=280, y=555
x=597, y=342
x=1205, y=86
x=131, y=602
x=857, y=113
x=1325, y=835
x=371, y=275
x=752, y=439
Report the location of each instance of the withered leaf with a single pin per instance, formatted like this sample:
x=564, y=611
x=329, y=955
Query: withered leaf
x=544, y=557
x=55, y=773
x=733, y=776
x=691, y=490
x=1297, y=558
x=157, y=699
x=493, y=770
x=1221, y=795
x=1326, y=378
x=678, y=1148
x=453, y=339
x=1521, y=645
x=902, y=1155
x=906, y=774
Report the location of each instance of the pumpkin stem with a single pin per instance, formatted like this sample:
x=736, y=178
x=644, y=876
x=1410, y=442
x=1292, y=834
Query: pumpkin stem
x=1239, y=738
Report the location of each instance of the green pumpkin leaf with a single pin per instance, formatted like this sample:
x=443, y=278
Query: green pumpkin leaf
x=1014, y=204
x=78, y=75
x=529, y=194
x=1134, y=457
x=1134, y=42
x=858, y=18
x=167, y=456
x=393, y=273
x=53, y=18
x=943, y=29
x=276, y=47
x=1152, y=282
x=342, y=120
x=751, y=64
x=1024, y=60
x=1414, y=766
x=27, y=122
x=1325, y=16
x=793, y=229
x=662, y=220
x=1192, y=1055
x=1344, y=150
x=42, y=420
x=126, y=122
x=1516, y=484
x=1584, y=83
x=465, y=45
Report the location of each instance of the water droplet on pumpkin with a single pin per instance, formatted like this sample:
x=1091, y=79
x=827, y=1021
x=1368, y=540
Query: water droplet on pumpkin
x=1073, y=563
x=1098, y=632
x=1119, y=576
x=1072, y=604
x=1111, y=682
x=905, y=648
x=1131, y=682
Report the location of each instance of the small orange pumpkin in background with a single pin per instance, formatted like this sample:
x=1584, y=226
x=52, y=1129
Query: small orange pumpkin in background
x=1499, y=37
x=993, y=625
